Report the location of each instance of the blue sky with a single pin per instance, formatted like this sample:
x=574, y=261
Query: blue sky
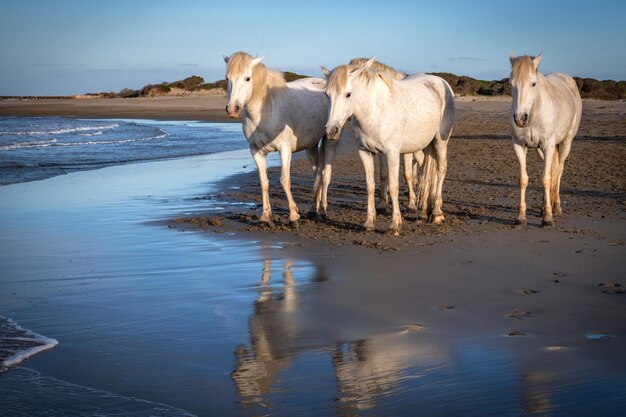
x=65, y=47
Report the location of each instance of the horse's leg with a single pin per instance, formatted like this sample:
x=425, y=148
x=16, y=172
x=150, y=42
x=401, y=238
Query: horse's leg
x=393, y=163
x=548, y=152
x=563, y=149
x=384, y=183
x=261, y=164
x=318, y=166
x=367, y=158
x=418, y=165
x=285, y=181
x=330, y=148
x=312, y=156
x=521, y=151
x=441, y=155
x=408, y=178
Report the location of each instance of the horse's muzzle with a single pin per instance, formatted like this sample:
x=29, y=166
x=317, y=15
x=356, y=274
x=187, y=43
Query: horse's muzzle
x=233, y=112
x=521, y=120
x=333, y=133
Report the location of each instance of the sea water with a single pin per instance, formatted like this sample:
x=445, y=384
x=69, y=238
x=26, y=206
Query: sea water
x=35, y=148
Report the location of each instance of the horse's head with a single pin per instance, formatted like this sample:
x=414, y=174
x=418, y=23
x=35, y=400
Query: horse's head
x=339, y=83
x=239, y=76
x=523, y=81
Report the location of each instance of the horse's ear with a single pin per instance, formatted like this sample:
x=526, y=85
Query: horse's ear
x=511, y=57
x=369, y=62
x=325, y=71
x=226, y=58
x=256, y=60
x=537, y=60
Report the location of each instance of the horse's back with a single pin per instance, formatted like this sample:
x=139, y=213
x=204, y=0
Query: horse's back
x=308, y=83
x=567, y=96
x=566, y=83
x=433, y=82
x=445, y=95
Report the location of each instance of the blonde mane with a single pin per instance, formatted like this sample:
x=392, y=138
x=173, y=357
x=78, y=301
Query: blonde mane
x=523, y=67
x=265, y=81
x=379, y=66
x=338, y=78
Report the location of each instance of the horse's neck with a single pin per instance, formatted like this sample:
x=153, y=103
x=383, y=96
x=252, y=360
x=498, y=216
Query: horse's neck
x=256, y=108
x=543, y=100
x=368, y=108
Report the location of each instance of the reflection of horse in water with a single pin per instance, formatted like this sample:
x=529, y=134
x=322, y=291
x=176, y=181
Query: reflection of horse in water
x=366, y=370
x=371, y=368
x=272, y=331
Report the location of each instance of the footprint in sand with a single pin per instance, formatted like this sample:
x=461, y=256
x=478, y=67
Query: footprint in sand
x=611, y=288
x=519, y=314
x=516, y=333
x=413, y=327
x=444, y=307
x=526, y=291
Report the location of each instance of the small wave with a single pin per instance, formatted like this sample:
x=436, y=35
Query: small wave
x=98, y=133
x=110, y=142
x=62, y=131
x=54, y=142
x=35, y=144
x=18, y=344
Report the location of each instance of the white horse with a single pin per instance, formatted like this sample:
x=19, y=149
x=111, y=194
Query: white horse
x=394, y=117
x=283, y=117
x=412, y=162
x=545, y=114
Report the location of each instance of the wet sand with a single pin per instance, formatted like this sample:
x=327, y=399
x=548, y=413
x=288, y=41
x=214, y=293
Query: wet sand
x=472, y=318
x=205, y=107
x=480, y=191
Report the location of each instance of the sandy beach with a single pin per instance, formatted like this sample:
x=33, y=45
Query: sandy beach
x=164, y=291
x=203, y=107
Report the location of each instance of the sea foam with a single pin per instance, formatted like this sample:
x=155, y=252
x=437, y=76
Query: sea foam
x=18, y=344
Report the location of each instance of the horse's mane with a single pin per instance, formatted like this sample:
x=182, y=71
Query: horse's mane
x=523, y=67
x=338, y=78
x=265, y=81
x=379, y=66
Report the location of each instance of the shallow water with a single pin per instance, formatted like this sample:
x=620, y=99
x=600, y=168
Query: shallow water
x=150, y=318
x=34, y=148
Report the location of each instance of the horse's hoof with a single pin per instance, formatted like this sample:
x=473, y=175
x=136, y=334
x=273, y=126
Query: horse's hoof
x=558, y=212
x=438, y=218
x=412, y=207
x=267, y=223
x=520, y=222
x=547, y=223
x=393, y=232
x=369, y=228
x=295, y=225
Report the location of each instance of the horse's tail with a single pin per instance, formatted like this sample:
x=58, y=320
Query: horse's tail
x=554, y=173
x=428, y=181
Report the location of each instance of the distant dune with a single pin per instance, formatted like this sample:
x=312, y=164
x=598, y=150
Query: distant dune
x=461, y=84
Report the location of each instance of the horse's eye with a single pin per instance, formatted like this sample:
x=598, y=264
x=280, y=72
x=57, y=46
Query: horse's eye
x=247, y=78
x=348, y=95
x=534, y=84
x=226, y=78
